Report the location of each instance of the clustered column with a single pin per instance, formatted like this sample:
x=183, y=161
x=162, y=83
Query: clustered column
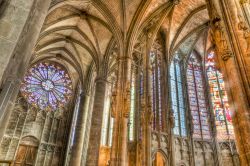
x=77, y=148
x=235, y=90
x=20, y=56
x=96, y=122
x=121, y=113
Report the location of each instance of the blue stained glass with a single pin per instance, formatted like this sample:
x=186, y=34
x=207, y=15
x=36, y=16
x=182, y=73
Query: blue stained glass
x=197, y=101
x=155, y=60
x=177, y=98
x=47, y=86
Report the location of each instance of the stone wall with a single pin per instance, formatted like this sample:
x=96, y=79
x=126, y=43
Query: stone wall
x=204, y=153
x=11, y=25
x=50, y=129
x=181, y=152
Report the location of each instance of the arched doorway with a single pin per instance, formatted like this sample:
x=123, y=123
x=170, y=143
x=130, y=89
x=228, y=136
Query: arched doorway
x=159, y=160
x=27, y=151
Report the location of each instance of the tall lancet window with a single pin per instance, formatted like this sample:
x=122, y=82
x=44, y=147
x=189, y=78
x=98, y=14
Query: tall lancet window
x=197, y=100
x=219, y=98
x=155, y=59
x=177, y=98
x=107, y=124
x=132, y=105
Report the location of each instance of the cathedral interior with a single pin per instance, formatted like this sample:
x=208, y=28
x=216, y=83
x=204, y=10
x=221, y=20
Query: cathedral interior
x=124, y=82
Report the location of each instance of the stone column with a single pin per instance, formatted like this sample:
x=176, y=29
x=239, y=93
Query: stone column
x=3, y=6
x=246, y=9
x=240, y=110
x=121, y=112
x=77, y=148
x=238, y=33
x=16, y=49
x=96, y=123
x=235, y=90
x=148, y=102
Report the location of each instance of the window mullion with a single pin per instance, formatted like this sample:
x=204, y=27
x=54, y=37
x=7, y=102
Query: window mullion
x=177, y=97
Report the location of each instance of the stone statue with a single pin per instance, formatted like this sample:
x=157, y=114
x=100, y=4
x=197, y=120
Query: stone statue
x=171, y=119
x=220, y=40
x=246, y=32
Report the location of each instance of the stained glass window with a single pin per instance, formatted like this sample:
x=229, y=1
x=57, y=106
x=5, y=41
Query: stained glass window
x=132, y=105
x=197, y=100
x=47, y=86
x=177, y=98
x=155, y=60
x=219, y=98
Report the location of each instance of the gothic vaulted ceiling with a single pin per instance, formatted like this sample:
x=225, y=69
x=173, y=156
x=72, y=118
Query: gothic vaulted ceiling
x=84, y=33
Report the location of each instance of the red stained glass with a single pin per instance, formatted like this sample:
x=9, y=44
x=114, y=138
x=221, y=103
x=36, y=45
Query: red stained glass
x=223, y=118
x=197, y=101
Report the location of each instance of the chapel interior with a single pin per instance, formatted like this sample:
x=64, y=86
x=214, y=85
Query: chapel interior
x=124, y=82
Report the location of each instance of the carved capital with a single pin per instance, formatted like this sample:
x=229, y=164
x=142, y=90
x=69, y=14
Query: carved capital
x=126, y=114
x=226, y=54
x=171, y=119
x=127, y=101
x=244, y=1
x=101, y=79
x=220, y=40
x=176, y=2
x=113, y=104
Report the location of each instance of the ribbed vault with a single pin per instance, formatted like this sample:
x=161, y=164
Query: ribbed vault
x=97, y=32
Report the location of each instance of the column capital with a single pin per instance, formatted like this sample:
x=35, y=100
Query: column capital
x=220, y=40
x=176, y=2
x=244, y=2
x=171, y=119
x=84, y=93
x=227, y=54
x=124, y=58
x=101, y=79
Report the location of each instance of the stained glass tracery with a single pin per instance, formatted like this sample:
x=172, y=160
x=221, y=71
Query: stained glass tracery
x=47, y=86
x=197, y=99
x=177, y=98
x=155, y=60
x=132, y=105
x=223, y=119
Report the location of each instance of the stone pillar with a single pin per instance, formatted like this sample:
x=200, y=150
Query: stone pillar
x=246, y=9
x=146, y=103
x=77, y=148
x=235, y=90
x=238, y=33
x=121, y=112
x=238, y=105
x=96, y=123
x=26, y=20
x=3, y=6
x=20, y=25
